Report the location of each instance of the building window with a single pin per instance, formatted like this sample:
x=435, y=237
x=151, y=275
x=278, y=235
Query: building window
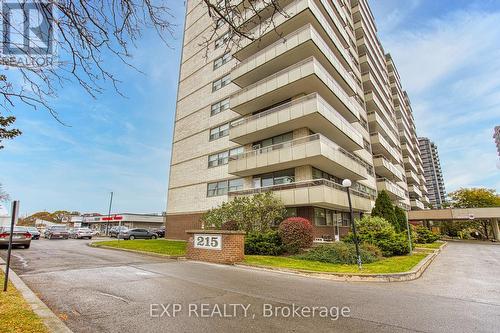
x=235, y=185
x=346, y=218
x=224, y=186
x=318, y=174
x=222, y=60
x=219, y=107
x=222, y=40
x=220, y=83
x=223, y=157
x=319, y=216
x=275, y=178
x=367, y=145
x=274, y=140
x=219, y=131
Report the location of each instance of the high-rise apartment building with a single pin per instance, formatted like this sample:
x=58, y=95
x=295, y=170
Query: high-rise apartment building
x=297, y=110
x=433, y=173
x=496, y=136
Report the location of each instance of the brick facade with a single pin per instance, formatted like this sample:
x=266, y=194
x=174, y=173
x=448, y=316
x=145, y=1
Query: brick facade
x=177, y=224
x=233, y=247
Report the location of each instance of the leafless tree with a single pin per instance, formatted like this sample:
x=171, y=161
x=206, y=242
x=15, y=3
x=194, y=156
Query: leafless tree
x=92, y=32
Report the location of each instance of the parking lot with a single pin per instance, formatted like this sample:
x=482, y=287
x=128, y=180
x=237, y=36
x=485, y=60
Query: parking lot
x=97, y=290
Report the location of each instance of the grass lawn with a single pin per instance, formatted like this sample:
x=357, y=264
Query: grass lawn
x=160, y=246
x=16, y=315
x=387, y=265
x=434, y=245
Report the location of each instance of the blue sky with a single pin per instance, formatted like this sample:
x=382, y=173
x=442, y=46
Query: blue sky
x=447, y=52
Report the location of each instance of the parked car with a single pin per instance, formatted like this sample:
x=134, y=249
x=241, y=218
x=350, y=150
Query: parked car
x=56, y=231
x=160, y=232
x=81, y=233
x=20, y=236
x=35, y=234
x=138, y=234
x=114, y=231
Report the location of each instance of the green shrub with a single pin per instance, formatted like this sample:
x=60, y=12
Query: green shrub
x=230, y=225
x=263, y=243
x=377, y=231
x=296, y=234
x=373, y=249
x=425, y=236
x=337, y=253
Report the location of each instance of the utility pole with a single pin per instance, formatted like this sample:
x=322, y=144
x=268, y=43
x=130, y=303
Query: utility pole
x=15, y=210
x=109, y=213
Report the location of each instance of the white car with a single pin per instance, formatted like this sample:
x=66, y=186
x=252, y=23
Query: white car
x=80, y=233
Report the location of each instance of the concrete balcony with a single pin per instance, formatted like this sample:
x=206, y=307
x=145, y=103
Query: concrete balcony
x=412, y=177
x=301, y=44
x=377, y=124
x=319, y=192
x=305, y=77
x=415, y=190
x=416, y=204
x=407, y=150
x=409, y=164
x=298, y=14
x=394, y=191
x=380, y=146
x=425, y=200
x=385, y=168
x=315, y=150
x=424, y=189
x=373, y=104
x=311, y=111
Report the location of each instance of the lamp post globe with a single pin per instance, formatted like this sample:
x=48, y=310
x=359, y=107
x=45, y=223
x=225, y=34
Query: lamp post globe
x=346, y=183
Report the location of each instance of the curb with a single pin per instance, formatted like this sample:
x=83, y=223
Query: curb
x=414, y=274
x=152, y=254
x=49, y=318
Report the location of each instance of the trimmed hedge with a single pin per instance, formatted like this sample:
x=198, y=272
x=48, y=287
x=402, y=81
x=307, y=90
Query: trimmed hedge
x=296, y=234
x=339, y=253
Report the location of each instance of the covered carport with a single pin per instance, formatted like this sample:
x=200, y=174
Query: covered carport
x=456, y=214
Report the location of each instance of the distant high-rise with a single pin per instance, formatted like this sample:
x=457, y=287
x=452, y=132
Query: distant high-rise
x=432, y=171
x=496, y=136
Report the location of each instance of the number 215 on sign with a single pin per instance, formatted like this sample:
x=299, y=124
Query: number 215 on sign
x=211, y=242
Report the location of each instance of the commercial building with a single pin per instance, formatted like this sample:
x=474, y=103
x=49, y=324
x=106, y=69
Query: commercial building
x=432, y=171
x=297, y=110
x=101, y=222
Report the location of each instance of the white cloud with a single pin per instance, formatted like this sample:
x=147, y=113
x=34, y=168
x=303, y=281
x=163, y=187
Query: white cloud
x=450, y=66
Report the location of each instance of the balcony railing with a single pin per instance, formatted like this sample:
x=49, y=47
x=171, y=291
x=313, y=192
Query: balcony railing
x=300, y=184
x=391, y=187
x=345, y=124
x=301, y=141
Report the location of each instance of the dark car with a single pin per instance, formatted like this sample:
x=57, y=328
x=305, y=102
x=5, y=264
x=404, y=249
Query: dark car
x=20, y=236
x=160, y=232
x=56, y=231
x=114, y=231
x=35, y=234
x=138, y=234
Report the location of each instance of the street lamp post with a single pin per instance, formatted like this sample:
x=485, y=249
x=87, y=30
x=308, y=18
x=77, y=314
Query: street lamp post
x=347, y=184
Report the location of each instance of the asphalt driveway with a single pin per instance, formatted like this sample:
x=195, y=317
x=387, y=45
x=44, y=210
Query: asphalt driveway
x=99, y=290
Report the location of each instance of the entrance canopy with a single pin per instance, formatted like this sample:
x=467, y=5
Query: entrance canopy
x=454, y=214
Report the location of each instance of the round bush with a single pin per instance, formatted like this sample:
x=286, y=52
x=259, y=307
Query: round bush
x=377, y=231
x=263, y=243
x=338, y=253
x=425, y=236
x=296, y=234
